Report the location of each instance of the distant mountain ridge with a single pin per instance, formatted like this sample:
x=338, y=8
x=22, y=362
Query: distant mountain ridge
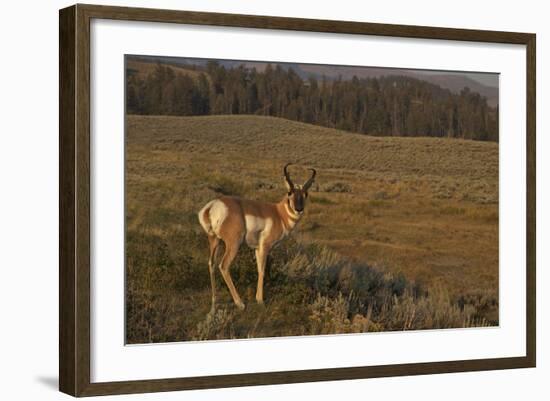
x=454, y=82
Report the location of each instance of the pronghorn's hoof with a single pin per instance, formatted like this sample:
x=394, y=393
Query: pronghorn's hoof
x=241, y=306
x=260, y=302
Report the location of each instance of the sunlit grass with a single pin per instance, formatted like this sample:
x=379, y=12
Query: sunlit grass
x=418, y=215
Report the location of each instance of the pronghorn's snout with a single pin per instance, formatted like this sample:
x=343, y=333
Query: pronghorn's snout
x=297, y=200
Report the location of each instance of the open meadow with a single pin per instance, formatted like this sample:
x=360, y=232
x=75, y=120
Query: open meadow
x=398, y=233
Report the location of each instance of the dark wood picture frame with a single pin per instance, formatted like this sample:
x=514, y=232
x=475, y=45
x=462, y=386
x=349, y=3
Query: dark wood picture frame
x=74, y=203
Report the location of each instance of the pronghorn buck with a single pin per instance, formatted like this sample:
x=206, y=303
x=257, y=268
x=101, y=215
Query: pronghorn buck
x=261, y=224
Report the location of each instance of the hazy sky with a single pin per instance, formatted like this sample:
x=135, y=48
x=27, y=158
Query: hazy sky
x=485, y=78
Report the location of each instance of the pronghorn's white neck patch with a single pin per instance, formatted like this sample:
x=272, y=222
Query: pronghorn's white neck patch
x=293, y=215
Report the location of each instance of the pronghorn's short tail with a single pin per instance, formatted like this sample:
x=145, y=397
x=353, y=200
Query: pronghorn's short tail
x=204, y=218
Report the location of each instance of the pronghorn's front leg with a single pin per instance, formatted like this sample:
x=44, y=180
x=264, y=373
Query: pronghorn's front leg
x=261, y=259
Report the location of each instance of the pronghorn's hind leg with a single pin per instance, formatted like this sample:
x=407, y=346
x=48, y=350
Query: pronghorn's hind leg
x=231, y=249
x=224, y=219
x=213, y=241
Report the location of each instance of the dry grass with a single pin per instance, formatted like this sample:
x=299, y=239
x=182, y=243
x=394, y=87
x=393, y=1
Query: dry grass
x=423, y=209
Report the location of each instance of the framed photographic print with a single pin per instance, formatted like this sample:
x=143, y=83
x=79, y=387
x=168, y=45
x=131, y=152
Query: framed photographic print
x=250, y=200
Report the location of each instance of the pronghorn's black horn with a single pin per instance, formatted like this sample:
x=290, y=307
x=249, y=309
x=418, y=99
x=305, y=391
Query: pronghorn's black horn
x=287, y=176
x=311, y=179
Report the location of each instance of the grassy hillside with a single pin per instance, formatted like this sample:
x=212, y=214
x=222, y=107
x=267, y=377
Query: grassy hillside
x=407, y=229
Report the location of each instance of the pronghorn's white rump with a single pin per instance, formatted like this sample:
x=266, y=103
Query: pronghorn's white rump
x=260, y=224
x=204, y=217
x=212, y=215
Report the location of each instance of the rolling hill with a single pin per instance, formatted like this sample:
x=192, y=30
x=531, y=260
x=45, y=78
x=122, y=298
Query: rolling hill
x=284, y=140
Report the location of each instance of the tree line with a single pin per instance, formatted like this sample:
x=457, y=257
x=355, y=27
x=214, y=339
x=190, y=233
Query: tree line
x=383, y=106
